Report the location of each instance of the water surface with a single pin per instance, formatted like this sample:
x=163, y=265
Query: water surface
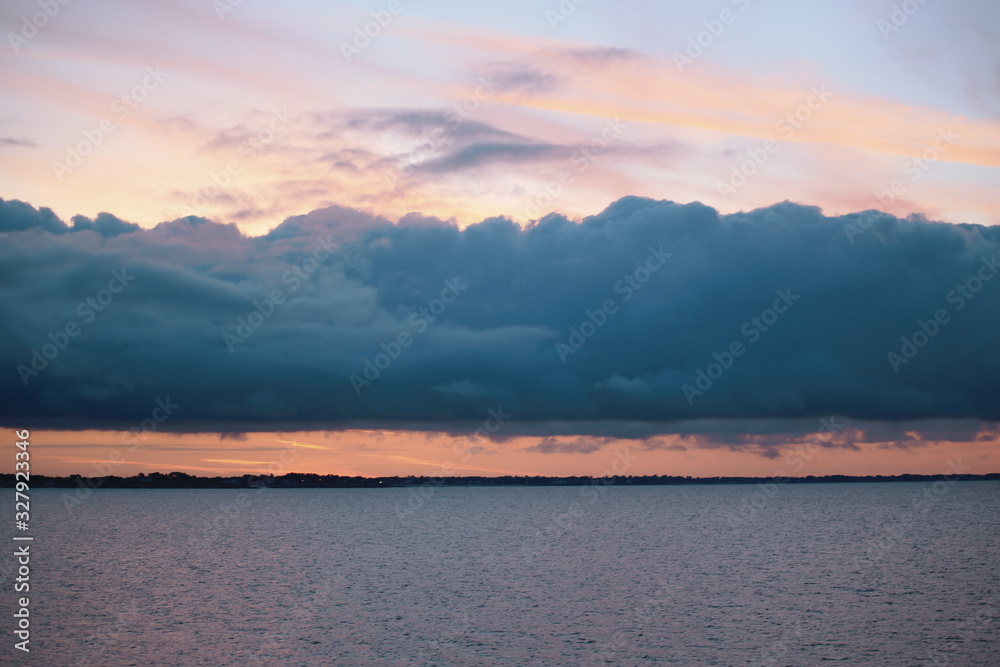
x=861, y=574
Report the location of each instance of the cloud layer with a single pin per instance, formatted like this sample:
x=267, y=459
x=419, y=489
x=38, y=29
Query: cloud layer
x=627, y=323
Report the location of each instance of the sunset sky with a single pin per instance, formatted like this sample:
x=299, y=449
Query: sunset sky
x=459, y=188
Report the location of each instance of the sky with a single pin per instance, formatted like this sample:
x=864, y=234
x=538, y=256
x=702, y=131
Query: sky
x=428, y=238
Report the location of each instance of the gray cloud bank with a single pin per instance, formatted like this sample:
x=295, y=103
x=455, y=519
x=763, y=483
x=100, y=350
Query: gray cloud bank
x=627, y=323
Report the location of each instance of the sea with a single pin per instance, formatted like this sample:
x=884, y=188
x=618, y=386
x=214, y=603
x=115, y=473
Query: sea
x=761, y=574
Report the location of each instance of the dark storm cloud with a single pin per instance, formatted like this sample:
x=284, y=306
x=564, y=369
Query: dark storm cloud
x=104, y=224
x=18, y=216
x=446, y=324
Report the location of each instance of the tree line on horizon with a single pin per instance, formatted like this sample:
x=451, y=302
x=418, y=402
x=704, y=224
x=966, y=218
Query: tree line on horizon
x=157, y=480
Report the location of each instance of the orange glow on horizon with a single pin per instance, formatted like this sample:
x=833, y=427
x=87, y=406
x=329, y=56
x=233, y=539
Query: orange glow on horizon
x=389, y=453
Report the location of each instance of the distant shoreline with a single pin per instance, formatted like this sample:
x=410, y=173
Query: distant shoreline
x=179, y=480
